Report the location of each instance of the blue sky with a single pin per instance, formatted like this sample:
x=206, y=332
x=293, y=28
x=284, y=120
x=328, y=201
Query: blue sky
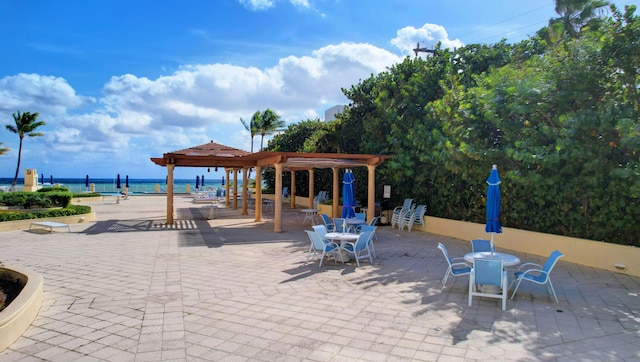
x=118, y=82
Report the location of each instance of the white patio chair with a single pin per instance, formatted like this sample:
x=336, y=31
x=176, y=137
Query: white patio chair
x=457, y=266
x=319, y=246
x=538, y=274
x=488, y=274
x=359, y=249
x=478, y=245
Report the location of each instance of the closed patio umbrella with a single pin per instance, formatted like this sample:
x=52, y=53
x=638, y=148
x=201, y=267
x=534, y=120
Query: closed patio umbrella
x=197, y=182
x=86, y=181
x=118, y=182
x=42, y=182
x=222, y=180
x=493, y=203
x=202, y=181
x=126, y=181
x=51, y=179
x=348, y=195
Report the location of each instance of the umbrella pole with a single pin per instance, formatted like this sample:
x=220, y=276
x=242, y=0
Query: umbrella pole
x=493, y=244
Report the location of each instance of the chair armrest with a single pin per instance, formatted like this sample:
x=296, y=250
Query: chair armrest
x=465, y=264
x=530, y=264
x=528, y=271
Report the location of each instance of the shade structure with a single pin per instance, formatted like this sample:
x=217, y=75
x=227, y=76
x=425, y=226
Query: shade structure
x=126, y=181
x=348, y=195
x=197, y=181
x=493, y=203
x=86, y=181
x=118, y=182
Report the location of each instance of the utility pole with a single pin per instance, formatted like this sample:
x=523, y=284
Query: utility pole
x=424, y=50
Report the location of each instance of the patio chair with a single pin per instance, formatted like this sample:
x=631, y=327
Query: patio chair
x=285, y=192
x=455, y=268
x=372, y=230
x=538, y=274
x=415, y=216
x=488, y=279
x=320, y=246
x=400, y=211
x=478, y=245
x=322, y=230
x=359, y=249
x=339, y=225
x=328, y=223
x=373, y=222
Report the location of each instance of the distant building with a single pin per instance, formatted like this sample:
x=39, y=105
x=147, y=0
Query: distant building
x=330, y=114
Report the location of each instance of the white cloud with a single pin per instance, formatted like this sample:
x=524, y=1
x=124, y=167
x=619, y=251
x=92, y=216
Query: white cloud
x=428, y=34
x=38, y=93
x=258, y=5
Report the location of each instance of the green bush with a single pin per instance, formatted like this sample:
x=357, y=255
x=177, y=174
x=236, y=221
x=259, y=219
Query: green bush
x=57, y=198
x=87, y=194
x=53, y=188
x=68, y=211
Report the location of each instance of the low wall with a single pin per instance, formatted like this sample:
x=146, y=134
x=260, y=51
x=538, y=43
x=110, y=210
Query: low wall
x=597, y=254
x=24, y=224
x=18, y=316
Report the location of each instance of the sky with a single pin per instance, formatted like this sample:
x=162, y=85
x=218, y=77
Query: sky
x=118, y=82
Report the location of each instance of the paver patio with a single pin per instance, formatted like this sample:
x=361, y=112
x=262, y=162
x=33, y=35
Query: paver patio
x=130, y=288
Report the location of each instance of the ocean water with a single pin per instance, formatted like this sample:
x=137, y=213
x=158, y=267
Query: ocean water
x=109, y=186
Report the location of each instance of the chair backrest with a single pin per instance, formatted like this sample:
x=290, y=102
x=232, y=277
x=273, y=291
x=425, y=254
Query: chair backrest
x=407, y=204
x=367, y=228
x=374, y=221
x=551, y=261
x=327, y=222
x=338, y=222
x=420, y=211
x=285, y=191
x=316, y=240
x=363, y=240
x=488, y=271
x=361, y=216
x=445, y=253
x=320, y=229
x=478, y=245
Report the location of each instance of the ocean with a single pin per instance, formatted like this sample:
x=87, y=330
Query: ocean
x=109, y=186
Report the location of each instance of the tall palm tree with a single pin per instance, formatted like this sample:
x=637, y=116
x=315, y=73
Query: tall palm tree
x=574, y=14
x=26, y=124
x=3, y=150
x=270, y=123
x=253, y=126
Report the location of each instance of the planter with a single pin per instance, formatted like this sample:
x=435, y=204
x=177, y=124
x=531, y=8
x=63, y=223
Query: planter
x=18, y=316
x=24, y=224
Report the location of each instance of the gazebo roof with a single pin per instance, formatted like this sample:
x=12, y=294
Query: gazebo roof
x=216, y=155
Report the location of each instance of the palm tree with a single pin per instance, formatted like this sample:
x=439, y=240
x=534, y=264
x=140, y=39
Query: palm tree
x=26, y=123
x=3, y=150
x=574, y=14
x=270, y=123
x=253, y=127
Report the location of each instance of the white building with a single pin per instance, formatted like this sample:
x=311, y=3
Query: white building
x=330, y=114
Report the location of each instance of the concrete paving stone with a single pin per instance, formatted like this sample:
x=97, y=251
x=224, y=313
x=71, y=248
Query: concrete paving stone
x=230, y=280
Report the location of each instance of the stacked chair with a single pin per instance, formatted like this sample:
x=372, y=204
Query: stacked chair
x=400, y=211
x=415, y=216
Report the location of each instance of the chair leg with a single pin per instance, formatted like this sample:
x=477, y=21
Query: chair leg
x=553, y=292
x=517, y=286
x=444, y=280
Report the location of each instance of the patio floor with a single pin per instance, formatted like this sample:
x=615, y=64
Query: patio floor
x=130, y=288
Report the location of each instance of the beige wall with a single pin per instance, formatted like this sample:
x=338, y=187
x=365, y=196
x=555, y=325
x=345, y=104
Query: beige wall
x=580, y=251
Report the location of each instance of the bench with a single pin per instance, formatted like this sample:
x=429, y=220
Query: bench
x=50, y=225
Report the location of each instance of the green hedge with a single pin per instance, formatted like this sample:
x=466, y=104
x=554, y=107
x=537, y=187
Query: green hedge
x=67, y=211
x=52, y=198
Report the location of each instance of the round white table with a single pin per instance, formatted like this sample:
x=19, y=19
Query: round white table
x=310, y=215
x=507, y=259
x=340, y=237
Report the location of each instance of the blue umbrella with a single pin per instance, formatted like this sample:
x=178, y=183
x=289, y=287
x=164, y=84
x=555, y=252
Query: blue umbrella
x=86, y=181
x=118, y=182
x=493, y=203
x=202, y=181
x=197, y=181
x=126, y=181
x=51, y=179
x=42, y=182
x=348, y=195
x=222, y=180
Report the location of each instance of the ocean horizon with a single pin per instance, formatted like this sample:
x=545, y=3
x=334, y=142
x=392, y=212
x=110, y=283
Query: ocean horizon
x=109, y=185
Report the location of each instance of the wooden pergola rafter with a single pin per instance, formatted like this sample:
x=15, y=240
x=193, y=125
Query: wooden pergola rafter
x=232, y=160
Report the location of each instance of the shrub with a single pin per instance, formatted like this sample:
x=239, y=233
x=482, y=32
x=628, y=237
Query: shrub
x=68, y=211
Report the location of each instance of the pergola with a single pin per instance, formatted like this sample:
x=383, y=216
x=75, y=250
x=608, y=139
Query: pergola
x=232, y=160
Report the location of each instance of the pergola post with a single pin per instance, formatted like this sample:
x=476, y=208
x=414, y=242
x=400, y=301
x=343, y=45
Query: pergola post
x=227, y=187
x=170, y=168
x=235, y=189
x=277, y=210
x=336, y=193
x=245, y=186
x=371, y=192
x=311, y=205
x=292, y=202
x=258, y=194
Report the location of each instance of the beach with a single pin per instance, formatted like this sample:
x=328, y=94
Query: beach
x=129, y=287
